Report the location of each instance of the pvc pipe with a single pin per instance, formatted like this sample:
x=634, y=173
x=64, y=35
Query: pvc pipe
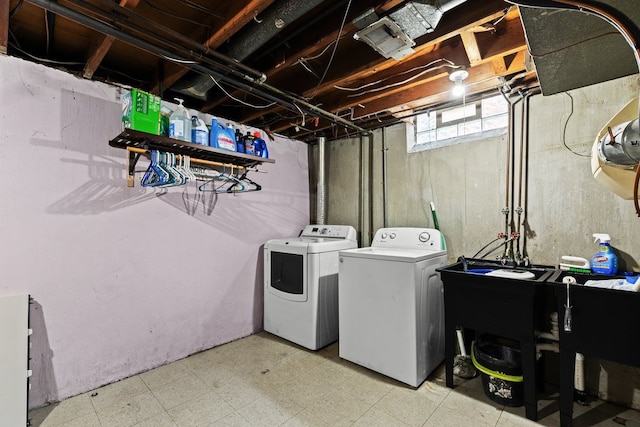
x=551, y=346
x=463, y=351
x=547, y=336
x=385, y=208
x=581, y=395
x=579, y=376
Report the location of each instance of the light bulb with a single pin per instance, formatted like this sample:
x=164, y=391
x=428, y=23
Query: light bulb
x=458, y=77
x=458, y=88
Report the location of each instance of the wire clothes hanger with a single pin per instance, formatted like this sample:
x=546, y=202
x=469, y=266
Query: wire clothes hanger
x=230, y=183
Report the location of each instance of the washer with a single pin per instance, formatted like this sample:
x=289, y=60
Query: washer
x=391, y=303
x=301, y=284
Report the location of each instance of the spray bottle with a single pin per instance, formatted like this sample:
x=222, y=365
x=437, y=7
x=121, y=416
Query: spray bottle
x=604, y=261
x=180, y=123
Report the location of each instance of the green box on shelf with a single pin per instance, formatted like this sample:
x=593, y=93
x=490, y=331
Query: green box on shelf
x=141, y=111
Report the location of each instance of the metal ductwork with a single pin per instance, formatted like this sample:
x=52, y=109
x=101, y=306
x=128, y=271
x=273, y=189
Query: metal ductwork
x=572, y=48
x=417, y=18
x=266, y=26
x=321, y=184
x=249, y=40
x=394, y=35
x=621, y=144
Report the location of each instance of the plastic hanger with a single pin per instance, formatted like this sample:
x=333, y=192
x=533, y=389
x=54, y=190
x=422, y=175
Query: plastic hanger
x=155, y=174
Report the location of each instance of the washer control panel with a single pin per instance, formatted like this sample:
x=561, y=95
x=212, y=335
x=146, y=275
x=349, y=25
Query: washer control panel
x=408, y=237
x=330, y=231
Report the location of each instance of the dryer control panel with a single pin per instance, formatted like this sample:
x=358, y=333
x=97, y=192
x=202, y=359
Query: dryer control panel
x=410, y=238
x=346, y=232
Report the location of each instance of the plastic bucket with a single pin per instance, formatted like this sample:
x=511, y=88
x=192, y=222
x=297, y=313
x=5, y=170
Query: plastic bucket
x=500, y=367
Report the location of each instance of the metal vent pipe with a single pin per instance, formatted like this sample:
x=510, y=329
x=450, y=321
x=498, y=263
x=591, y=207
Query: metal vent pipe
x=321, y=201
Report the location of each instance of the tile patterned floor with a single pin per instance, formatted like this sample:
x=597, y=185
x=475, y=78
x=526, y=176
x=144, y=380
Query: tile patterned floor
x=262, y=380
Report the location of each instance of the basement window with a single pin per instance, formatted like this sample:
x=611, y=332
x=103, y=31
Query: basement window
x=479, y=119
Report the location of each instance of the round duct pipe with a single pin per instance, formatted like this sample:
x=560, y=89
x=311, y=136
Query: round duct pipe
x=321, y=201
x=620, y=145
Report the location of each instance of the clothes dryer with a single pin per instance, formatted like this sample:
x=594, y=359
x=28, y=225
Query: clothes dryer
x=301, y=284
x=391, y=304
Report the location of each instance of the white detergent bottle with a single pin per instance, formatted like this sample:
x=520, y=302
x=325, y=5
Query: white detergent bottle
x=180, y=123
x=199, y=131
x=604, y=261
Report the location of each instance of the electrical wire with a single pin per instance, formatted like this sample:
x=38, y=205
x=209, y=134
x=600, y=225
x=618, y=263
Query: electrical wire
x=354, y=89
x=400, y=83
x=326, y=48
x=486, y=246
x=542, y=55
x=564, y=130
x=16, y=9
x=174, y=16
x=180, y=61
x=199, y=8
x=54, y=62
x=306, y=67
x=46, y=30
x=48, y=61
x=497, y=247
x=504, y=15
x=335, y=47
x=301, y=113
x=271, y=104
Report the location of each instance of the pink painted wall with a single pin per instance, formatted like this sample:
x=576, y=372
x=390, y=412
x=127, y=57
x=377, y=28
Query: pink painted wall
x=124, y=279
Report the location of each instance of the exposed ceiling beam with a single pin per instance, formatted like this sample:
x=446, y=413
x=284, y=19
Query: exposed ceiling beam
x=471, y=46
x=448, y=28
x=4, y=26
x=103, y=44
x=506, y=48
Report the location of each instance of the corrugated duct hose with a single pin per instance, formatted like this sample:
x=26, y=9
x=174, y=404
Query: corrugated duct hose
x=624, y=25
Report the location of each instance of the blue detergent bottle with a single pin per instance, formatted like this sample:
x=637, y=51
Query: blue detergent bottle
x=260, y=146
x=249, y=145
x=221, y=136
x=239, y=141
x=604, y=261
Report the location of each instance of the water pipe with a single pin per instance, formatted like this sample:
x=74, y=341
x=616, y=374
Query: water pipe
x=578, y=380
x=548, y=346
x=554, y=334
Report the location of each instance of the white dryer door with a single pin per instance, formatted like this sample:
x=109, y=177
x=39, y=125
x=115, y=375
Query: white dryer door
x=285, y=274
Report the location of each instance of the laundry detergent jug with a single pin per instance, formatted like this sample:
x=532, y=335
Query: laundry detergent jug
x=221, y=136
x=260, y=146
x=199, y=131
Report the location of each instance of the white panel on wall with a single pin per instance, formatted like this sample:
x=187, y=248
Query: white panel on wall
x=14, y=362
